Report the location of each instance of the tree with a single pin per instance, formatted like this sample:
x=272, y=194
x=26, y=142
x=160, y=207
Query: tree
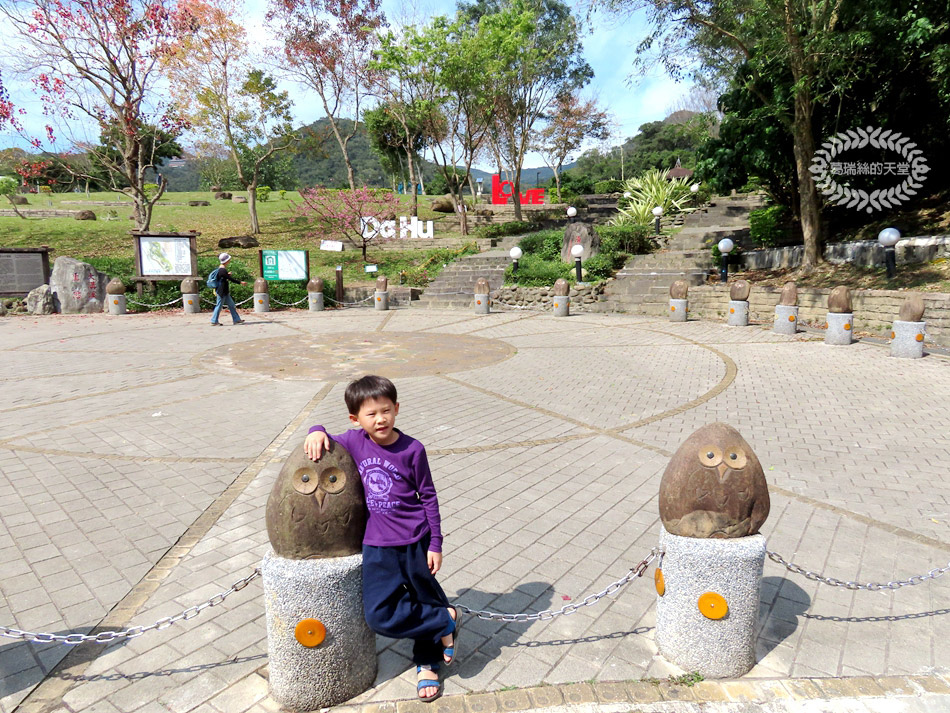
x=571, y=123
x=328, y=45
x=800, y=43
x=8, y=188
x=343, y=214
x=228, y=101
x=546, y=62
x=99, y=61
x=389, y=141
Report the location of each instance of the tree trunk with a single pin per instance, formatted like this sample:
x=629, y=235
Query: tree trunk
x=471, y=187
x=517, y=194
x=557, y=183
x=804, y=149
x=252, y=207
x=459, y=199
x=412, y=185
x=13, y=205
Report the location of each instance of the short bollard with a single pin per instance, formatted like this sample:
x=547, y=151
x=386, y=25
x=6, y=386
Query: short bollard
x=115, y=294
x=482, y=296
x=679, y=306
x=713, y=500
x=381, y=296
x=840, y=317
x=562, y=298
x=739, y=304
x=320, y=650
x=190, y=301
x=786, y=311
x=261, y=295
x=907, y=339
x=315, y=294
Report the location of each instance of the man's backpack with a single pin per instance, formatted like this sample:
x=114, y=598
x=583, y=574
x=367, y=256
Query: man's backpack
x=213, y=279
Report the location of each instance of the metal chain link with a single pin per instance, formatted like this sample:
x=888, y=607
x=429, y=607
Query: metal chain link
x=290, y=304
x=105, y=637
x=870, y=586
x=349, y=304
x=570, y=608
x=149, y=304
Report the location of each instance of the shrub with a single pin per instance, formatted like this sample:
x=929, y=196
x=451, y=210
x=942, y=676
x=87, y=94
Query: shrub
x=263, y=193
x=648, y=191
x=536, y=272
x=632, y=239
x=151, y=190
x=611, y=185
x=767, y=225
x=500, y=230
x=602, y=265
x=283, y=194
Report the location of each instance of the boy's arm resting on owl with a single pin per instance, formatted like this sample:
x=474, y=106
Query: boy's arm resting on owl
x=318, y=441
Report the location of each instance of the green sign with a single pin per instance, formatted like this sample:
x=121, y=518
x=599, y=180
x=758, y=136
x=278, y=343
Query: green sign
x=284, y=265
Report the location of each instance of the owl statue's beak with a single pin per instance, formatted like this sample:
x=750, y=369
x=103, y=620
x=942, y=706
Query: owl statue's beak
x=722, y=468
x=320, y=496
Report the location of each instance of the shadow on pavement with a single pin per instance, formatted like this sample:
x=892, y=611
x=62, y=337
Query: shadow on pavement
x=784, y=601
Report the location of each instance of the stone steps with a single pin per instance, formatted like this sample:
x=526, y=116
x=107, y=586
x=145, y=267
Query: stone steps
x=460, y=277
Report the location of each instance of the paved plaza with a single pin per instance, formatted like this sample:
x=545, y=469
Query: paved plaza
x=137, y=454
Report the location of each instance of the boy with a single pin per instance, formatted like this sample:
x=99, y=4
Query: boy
x=402, y=546
x=223, y=291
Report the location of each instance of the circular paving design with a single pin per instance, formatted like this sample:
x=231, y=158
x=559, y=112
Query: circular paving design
x=347, y=355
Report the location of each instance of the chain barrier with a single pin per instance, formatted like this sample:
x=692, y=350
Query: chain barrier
x=870, y=586
x=244, y=301
x=440, y=294
x=569, y=609
x=349, y=304
x=149, y=304
x=290, y=304
x=105, y=637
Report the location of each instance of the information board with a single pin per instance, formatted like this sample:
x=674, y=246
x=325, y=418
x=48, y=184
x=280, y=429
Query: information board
x=22, y=269
x=166, y=256
x=285, y=265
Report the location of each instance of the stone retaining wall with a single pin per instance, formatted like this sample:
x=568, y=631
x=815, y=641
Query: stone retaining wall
x=40, y=213
x=866, y=253
x=540, y=297
x=874, y=310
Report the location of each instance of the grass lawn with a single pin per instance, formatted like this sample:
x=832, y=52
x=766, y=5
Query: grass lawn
x=106, y=241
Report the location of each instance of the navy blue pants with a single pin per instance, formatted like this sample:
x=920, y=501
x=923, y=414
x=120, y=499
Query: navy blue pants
x=402, y=599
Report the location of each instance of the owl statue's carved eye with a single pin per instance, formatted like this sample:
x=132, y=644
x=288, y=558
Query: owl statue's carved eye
x=710, y=456
x=332, y=480
x=736, y=458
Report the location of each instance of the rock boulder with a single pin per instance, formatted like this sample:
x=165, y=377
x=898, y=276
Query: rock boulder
x=583, y=234
x=40, y=300
x=239, y=241
x=77, y=286
x=85, y=215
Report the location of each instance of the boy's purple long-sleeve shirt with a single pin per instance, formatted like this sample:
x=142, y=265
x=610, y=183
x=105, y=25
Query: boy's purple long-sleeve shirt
x=400, y=494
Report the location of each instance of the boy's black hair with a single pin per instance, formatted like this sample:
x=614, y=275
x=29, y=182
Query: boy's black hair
x=369, y=387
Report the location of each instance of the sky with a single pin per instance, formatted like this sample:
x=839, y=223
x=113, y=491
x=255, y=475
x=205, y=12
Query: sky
x=609, y=46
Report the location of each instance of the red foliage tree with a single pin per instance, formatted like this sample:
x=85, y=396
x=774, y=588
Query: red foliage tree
x=343, y=214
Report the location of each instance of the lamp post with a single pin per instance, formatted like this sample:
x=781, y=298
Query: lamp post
x=725, y=247
x=478, y=182
x=888, y=238
x=515, y=254
x=694, y=189
x=577, y=250
x=571, y=212
x=537, y=179
x=657, y=212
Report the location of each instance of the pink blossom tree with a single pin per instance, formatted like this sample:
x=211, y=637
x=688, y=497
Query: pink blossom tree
x=98, y=63
x=343, y=214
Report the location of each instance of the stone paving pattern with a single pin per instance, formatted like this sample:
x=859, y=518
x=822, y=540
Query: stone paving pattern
x=118, y=436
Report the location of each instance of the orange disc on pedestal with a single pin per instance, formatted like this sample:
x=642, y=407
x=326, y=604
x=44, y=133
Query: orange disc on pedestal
x=672, y=308
x=791, y=318
x=310, y=632
x=659, y=582
x=732, y=310
x=920, y=337
x=847, y=327
x=712, y=605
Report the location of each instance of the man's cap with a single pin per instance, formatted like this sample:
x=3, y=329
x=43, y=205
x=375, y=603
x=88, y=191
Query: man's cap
x=223, y=258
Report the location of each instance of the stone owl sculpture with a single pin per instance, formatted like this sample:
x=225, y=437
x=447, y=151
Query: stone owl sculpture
x=317, y=509
x=714, y=486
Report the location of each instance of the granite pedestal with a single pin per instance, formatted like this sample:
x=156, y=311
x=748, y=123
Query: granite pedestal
x=482, y=304
x=678, y=310
x=692, y=568
x=839, y=328
x=381, y=300
x=191, y=303
x=315, y=301
x=908, y=341
x=343, y=665
x=738, y=313
x=786, y=319
x=262, y=302
x=562, y=305
x=116, y=304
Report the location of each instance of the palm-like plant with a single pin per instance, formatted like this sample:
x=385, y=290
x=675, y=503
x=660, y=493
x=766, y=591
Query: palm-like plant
x=648, y=191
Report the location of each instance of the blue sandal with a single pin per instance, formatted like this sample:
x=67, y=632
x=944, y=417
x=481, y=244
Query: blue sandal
x=449, y=651
x=428, y=683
